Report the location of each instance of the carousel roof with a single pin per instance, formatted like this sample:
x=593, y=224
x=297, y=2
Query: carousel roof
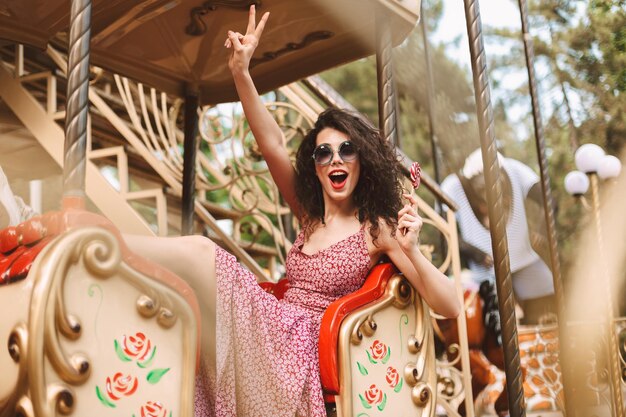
x=175, y=45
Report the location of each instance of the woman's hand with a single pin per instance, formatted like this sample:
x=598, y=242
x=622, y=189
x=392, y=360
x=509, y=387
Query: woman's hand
x=243, y=46
x=409, y=226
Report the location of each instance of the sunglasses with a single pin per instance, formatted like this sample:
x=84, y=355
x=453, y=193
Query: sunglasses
x=323, y=153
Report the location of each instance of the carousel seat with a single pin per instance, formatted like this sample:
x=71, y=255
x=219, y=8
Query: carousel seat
x=91, y=329
x=376, y=348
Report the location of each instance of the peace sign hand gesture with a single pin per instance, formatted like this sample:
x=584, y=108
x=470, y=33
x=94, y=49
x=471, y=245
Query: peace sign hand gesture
x=243, y=46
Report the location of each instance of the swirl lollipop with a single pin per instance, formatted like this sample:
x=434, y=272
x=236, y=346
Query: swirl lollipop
x=416, y=174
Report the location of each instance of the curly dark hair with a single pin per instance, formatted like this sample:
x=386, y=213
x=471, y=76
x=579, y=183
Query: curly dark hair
x=378, y=193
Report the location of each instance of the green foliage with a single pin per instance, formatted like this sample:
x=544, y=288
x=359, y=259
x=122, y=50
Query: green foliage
x=357, y=84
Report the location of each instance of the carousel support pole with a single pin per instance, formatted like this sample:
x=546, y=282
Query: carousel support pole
x=430, y=89
x=387, y=101
x=506, y=301
x=77, y=113
x=614, y=364
x=547, y=208
x=190, y=152
x=461, y=320
x=431, y=104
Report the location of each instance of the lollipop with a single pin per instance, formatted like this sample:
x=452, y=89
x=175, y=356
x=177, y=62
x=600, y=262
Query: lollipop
x=416, y=173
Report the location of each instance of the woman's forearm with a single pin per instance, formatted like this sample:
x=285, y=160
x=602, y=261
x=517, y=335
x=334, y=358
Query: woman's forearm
x=264, y=128
x=437, y=289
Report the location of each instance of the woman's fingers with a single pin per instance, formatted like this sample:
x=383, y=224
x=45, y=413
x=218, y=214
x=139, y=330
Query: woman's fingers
x=405, y=225
x=253, y=28
x=411, y=198
x=414, y=224
x=261, y=25
x=408, y=210
x=234, y=37
x=253, y=32
x=411, y=219
x=251, y=20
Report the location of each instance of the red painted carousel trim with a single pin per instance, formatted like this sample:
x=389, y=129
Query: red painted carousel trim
x=277, y=289
x=20, y=245
x=373, y=288
x=6, y=262
x=9, y=239
x=31, y=231
x=21, y=266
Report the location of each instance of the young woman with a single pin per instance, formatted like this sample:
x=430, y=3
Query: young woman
x=346, y=193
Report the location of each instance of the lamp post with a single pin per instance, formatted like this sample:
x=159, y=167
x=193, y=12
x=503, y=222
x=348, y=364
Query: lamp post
x=593, y=164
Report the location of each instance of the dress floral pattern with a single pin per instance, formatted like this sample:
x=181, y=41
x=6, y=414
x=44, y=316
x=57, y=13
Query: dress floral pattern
x=267, y=350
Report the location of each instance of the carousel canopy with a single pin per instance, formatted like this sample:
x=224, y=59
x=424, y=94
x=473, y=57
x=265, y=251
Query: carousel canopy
x=177, y=45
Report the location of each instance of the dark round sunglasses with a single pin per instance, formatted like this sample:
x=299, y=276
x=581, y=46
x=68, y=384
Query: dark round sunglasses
x=323, y=153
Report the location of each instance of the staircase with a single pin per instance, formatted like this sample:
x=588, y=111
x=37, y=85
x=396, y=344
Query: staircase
x=41, y=119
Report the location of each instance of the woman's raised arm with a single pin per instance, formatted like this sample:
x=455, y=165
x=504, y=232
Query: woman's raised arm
x=266, y=131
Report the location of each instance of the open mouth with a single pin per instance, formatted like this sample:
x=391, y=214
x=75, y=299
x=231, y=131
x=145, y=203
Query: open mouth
x=338, y=179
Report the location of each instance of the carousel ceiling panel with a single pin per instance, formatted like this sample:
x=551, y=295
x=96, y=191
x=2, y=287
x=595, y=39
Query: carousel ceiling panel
x=36, y=22
x=175, y=45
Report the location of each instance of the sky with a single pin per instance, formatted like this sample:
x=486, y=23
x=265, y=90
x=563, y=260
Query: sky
x=494, y=13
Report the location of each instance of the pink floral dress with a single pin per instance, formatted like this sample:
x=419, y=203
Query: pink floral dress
x=267, y=358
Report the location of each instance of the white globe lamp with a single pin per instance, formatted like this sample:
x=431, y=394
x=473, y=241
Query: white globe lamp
x=576, y=183
x=588, y=158
x=610, y=167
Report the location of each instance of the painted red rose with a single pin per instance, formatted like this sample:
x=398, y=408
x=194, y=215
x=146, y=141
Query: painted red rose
x=373, y=395
x=153, y=409
x=378, y=349
x=392, y=377
x=137, y=346
x=121, y=385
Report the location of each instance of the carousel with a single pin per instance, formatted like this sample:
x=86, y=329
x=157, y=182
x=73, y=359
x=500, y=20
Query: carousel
x=124, y=108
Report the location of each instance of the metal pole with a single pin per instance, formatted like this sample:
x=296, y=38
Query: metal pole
x=76, y=118
x=430, y=88
x=547, y=206
x=431, y=105
x=461, y=320
x=497, y=222
x=387, y=119
x=190, y=150
x=615, y=378
x=326, y=93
